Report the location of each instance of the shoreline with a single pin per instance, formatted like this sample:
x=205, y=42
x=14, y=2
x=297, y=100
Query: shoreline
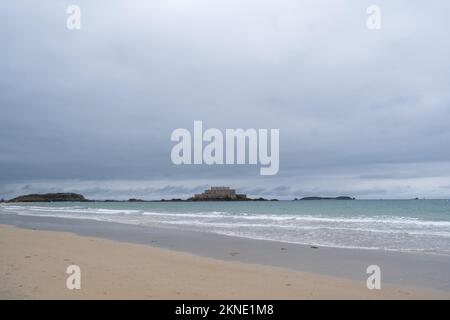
x=428, y=271
x=33, y=266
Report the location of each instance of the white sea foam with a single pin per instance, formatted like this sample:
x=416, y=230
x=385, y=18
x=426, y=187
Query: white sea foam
x=388, y=232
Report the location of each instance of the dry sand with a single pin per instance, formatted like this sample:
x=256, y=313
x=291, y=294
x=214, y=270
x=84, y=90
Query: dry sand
x=33, y=265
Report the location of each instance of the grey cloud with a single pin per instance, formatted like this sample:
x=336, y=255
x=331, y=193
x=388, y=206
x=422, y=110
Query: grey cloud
x=358, y=111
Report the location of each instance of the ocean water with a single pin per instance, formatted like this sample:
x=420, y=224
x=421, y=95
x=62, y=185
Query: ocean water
x=400, y=225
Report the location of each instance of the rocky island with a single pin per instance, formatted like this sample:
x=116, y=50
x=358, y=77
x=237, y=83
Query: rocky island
x=49, y=197
x=328, y=198
x=219, y=194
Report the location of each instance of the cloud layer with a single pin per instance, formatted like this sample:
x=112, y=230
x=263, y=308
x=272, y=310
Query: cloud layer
x=361, y=112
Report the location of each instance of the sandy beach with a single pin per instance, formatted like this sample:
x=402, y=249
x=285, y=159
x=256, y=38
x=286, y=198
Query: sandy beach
x=33, y=265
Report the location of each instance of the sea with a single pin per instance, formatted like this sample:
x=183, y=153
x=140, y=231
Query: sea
x=397, y=225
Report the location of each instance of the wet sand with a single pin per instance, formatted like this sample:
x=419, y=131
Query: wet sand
x=34, y=262
x=138, y=264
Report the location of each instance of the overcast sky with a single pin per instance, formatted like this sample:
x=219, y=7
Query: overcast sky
x=360, y=112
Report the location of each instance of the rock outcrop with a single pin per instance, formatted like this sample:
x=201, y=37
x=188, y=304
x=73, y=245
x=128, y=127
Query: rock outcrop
x=49, y=197
x=328, y=198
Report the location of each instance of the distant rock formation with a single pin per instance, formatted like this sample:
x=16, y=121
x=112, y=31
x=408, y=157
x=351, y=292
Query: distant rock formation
x=260, y=199
x=49, y=197
x=328, y=198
